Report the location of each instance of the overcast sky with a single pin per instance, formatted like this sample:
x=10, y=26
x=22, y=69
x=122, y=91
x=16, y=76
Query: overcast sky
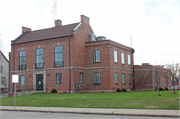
x=153, y=24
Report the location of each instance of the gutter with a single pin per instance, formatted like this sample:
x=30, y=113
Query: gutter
x=133, y=71
x=41, y=39
x=69, y=66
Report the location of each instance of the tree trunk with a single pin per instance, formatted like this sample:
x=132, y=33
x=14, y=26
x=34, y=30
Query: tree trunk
x=173, y=85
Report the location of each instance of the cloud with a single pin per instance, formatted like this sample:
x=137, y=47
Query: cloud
x=152, y=24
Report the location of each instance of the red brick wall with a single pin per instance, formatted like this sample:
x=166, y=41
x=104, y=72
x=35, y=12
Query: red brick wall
x=81, y=56
x=150, y=71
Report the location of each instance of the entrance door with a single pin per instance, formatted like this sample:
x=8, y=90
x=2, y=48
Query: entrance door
x=39, y=82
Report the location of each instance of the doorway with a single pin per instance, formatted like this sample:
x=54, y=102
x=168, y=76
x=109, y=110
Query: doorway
x=39, y=82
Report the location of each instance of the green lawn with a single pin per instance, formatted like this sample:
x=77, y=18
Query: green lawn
x=138, y=100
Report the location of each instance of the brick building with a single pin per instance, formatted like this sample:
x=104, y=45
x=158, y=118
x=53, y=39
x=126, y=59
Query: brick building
x=147, y=77
x=67, y=57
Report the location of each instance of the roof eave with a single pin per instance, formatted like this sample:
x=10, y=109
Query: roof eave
x=43, y=39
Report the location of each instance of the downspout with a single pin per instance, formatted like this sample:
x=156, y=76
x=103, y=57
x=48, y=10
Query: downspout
x=133, y=73
x=69, y=66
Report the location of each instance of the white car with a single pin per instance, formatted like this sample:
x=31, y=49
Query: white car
x=176, y=87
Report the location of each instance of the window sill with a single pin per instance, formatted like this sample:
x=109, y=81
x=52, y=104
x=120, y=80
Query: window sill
x=58, y=84
x=115, y=62
x=116, y=83
x=97, y=83
x=96, y=62
x=123, y=83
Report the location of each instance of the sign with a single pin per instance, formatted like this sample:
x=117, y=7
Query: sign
x=15, y=78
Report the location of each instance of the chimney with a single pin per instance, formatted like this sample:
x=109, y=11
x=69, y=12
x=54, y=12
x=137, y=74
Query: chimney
x=58, y=23
x=12, y=41
x=24, y=29
x=84, y=19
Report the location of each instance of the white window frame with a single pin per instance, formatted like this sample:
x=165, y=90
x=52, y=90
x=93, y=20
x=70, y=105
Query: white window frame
x=115, y=57
x=129, y=60
x=122, y=58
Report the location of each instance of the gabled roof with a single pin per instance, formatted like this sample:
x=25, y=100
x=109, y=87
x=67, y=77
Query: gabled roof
x=55, y=32
x=4, y=56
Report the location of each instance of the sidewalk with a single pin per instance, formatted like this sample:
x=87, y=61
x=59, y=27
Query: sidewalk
x=103, y=111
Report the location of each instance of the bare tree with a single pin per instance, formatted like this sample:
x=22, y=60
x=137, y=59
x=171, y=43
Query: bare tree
x=174, y=71
x=140, y=78
x=158, y=74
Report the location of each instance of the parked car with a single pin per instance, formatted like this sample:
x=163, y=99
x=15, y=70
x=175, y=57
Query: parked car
x=176, y=87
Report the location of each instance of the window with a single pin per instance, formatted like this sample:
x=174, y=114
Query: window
x=3, y=81
x=81, y=77
x=58, y=56
x=97, y=78
x=122, y=58
x=115, y=56
x=58, y=78
x=167, y=81
x=123, y=78
x=1, y=69
x=164, y=80
x=129, y=78
x=116, y=78
x=154, y=79
x=96, y=56
x=22, y=60
x=22, y=80
x=129, y=60
x=39, y=59
x=158, y=79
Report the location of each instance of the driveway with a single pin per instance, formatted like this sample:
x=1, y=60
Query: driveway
x=3, y=95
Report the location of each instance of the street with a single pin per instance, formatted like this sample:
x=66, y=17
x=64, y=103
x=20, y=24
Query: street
x=42, y=115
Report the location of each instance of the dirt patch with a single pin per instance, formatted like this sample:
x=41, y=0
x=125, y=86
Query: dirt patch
x=151, y=107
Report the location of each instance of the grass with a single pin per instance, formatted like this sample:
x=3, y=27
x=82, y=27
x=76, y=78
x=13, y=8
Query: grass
x=133, y=100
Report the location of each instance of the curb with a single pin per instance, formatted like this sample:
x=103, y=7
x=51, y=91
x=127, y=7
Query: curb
x=96, y=113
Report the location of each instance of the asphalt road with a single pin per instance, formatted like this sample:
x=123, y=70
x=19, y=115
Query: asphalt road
x=42, y=115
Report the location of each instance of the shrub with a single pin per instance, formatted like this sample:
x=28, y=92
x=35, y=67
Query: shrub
x=166, y=88
x=118, y=90
x=160, y=89
x=53, y=91
x=18, y=90
x=124, y=90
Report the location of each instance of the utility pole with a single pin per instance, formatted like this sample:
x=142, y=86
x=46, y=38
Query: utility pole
x=1, y=43
x=131, y=40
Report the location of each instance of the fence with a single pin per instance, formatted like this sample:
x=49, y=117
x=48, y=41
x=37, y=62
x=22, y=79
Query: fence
x=23, y=90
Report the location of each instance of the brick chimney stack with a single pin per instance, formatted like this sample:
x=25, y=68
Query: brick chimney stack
x=24, y=29
x=58, y=23
x=84, y=19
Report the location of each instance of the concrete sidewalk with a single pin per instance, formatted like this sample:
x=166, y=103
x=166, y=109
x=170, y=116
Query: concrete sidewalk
x=103, y=111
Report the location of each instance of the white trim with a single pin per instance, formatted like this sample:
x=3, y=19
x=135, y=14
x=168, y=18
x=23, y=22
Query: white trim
x=77, y=26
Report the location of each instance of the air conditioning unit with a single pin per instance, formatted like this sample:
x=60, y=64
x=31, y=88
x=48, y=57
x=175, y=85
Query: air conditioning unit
x=100, y=38
x=92, y=37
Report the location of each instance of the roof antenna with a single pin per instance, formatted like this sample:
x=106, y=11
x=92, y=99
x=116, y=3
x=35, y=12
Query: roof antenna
x=54, y=10
x=131, y=40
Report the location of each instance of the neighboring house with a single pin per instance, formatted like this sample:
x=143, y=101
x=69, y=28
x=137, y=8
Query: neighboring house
x=4, y=72
x=147, y=77
x=69, y=57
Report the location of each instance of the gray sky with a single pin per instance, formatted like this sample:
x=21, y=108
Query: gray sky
x=153, y=24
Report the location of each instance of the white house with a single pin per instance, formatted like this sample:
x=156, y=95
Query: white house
x=4, y=72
